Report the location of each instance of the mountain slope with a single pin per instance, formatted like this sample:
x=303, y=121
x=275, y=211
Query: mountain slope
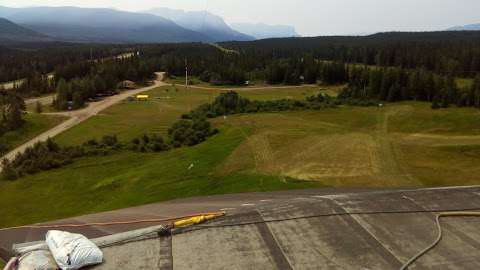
x=11, y=32
x=468, y=27
x=202, y=21
x=100, y=25
x=262, y=31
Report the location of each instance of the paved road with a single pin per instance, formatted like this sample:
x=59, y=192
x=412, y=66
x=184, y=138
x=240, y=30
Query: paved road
x=77, y=117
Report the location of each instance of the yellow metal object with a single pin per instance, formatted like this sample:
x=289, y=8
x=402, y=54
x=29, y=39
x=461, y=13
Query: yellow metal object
x=195, y=220
x=143, y=96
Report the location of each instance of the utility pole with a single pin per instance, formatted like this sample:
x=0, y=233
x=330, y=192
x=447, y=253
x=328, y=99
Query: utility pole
x=186, y=73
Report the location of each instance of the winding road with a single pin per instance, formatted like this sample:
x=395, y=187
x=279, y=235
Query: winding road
x=78, y=116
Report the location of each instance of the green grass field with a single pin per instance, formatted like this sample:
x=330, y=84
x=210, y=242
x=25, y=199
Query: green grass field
x=131, y=119
x=400, y=145
x=35, y=124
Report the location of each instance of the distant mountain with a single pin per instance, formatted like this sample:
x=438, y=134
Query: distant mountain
x=468, y=27
x=11, y=32
x=204, y=22
x=262, y=31
x=100, y=25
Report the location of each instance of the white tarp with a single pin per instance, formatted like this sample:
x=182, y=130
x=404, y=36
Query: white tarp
x=73, y=251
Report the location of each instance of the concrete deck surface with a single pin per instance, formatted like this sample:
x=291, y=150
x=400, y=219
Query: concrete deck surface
x=317, y=232
x=314, y=230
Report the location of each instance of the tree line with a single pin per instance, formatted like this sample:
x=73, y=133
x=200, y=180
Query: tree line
x=397, y=84
x=80, y=82
x=448, y=52
x=12, y=108
x=24, y=60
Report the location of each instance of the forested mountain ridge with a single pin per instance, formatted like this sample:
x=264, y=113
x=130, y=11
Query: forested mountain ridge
x=11, y=32
x=100, y=25
x=468, y=27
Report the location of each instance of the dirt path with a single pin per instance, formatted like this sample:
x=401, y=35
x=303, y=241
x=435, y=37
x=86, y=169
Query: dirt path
x=391, y=164
x=45, y=100
x=77, y=117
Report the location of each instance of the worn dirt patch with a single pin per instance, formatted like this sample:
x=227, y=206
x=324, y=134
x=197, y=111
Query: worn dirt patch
x=312, y=157
x=318, y=157
x=440, y=140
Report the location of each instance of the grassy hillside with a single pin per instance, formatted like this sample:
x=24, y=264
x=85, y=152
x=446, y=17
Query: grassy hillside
x=404, y=144
x=35, y=124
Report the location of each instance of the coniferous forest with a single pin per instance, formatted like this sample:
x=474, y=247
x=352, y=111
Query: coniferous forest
x=386, y=66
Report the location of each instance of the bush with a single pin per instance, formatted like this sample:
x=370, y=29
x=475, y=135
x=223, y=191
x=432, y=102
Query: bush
x=109, y=140
x=8, y=171
x=190, y=132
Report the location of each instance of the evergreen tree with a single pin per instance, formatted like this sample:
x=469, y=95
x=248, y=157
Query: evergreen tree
x=38, y=107
x=63, y=95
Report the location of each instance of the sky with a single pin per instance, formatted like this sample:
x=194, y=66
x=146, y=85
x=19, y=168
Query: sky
x=310, y=17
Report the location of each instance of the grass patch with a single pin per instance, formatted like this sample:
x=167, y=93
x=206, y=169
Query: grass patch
x=34, y=125
x=131, y=119
x=418, y=117
x=126, y=179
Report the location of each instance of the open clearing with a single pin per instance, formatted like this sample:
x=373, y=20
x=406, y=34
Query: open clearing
x=131, y=119
x=400, y=145
x=34, y=125
x=78, y=116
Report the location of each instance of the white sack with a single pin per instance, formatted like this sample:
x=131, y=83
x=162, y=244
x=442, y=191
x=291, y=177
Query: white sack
x=73, y=251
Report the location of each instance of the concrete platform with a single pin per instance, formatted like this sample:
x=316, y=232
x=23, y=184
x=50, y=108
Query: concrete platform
x=361, y=230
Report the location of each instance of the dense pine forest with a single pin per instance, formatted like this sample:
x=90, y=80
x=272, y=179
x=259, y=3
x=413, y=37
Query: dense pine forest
x=387, y=66
x=25, y=60
x=456, y=52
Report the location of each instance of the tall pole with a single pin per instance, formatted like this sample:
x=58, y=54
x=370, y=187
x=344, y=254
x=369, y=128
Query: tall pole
x=186, y=73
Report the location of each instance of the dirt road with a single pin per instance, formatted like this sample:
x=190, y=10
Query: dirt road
x=77, y=117
x=45, y=100
x=252, y=88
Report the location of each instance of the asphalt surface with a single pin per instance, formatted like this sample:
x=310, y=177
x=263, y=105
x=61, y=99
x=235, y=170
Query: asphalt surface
x=172, y=209
x=304, y=229
x=363, y=230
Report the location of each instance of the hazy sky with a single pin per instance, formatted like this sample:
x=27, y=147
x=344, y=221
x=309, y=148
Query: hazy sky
x=310, y=17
